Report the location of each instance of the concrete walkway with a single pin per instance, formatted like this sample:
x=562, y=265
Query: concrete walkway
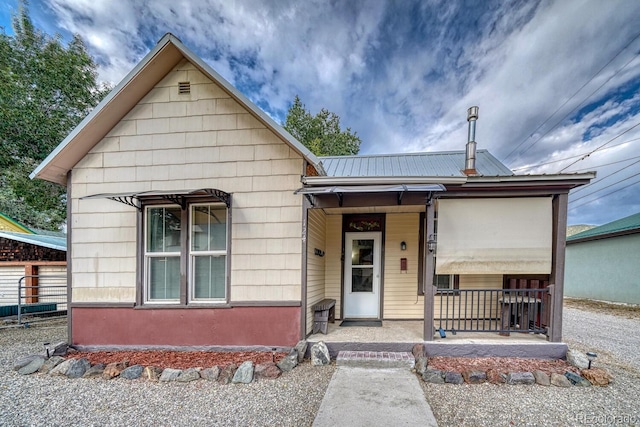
x=374, y=397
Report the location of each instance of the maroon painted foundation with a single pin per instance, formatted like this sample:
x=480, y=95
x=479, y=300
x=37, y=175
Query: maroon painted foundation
x=239, y=326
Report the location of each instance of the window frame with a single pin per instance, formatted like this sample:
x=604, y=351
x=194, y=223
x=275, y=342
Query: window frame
x=186, y=285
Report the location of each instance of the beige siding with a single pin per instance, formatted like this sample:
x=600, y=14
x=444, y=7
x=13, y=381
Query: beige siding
x=169, y=141
x=401, y=299
x=316, y=226
x=333, y=264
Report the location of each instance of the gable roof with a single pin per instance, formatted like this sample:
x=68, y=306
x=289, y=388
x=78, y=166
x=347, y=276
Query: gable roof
x=10, y=224
x=47, y=241
x=443, y=164
x=623, y=226
x=154, y=66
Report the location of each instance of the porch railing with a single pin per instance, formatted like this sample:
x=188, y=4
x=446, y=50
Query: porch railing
x=493, y=310
x=40, y=297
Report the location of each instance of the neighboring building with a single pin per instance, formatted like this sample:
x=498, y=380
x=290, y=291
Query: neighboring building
x=603, y=262
x=38, y=257
x=196, y=220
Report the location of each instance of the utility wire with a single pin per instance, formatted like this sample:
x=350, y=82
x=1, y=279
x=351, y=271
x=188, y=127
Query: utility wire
x=573, y=96
x=604, y=188
x=603, y=165
x=598, y=148
x=606, y=195
x=603, y=178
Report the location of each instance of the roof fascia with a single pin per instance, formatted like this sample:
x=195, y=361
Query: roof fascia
x=603, y=236
x=29, y=241
x=361, y=180
x=16, y=224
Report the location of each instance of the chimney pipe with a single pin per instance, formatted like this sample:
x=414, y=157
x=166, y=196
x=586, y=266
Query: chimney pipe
x=470, y=158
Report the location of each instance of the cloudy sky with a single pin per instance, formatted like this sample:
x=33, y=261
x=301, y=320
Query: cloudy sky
x=554, y=80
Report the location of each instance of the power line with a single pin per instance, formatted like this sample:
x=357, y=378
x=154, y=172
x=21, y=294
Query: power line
x=598, y=148
x=573, y=96
x=603, y=178
x=603, y=165
x=606, y=195
x=604, y=188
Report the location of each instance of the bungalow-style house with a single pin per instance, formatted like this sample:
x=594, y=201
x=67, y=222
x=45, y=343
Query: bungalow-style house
x=602, y=262
x=37, y=260
x=196, y=220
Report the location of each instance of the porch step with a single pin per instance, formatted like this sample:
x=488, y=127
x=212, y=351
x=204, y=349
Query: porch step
x=376, y=359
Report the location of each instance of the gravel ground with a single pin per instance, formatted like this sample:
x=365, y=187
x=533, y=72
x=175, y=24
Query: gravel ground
x=291, y=400
x=616, y=340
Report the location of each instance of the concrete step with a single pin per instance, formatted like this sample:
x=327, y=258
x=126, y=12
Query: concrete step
x=376, y=359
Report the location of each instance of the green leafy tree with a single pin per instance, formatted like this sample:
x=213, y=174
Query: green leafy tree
x=320, y=133
x=46, y=89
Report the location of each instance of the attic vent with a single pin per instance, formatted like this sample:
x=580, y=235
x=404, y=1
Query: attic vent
x=184, y=88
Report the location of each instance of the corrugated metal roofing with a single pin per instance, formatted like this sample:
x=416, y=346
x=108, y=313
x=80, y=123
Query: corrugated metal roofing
x=444, y=163
x=631, y=222
x=52, y=242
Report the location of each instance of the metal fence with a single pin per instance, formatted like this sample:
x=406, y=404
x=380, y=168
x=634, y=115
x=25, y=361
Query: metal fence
x=493, y=310
x=33, y=298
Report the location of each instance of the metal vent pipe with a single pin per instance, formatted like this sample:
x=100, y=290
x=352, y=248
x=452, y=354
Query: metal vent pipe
x=470, y=157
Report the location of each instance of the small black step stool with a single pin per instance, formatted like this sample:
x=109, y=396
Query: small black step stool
x=323, y=312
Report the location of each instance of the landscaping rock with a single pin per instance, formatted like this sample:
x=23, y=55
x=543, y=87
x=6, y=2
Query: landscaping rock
x=95, y=371
x=496, y=377
x=266, y=370
x=60, y=349
x=62, y=368
x=474, y=377
x=113, y=369
x=559, y=380
x=453, y=378
x=290, y=362
x=577, y=380
x=301, y=348
x=78, y=367
x=320, y=354
x=25, y=360
x=210, y=374
x=31, y=367
x=188, y=375
x=433, y=376
x=244, y=373
x=226, y=375
x=418, y=351
x=577, y=359
x=520, y=378
x=50, y=363
x=151, y=373
x=421, y=364
x=132, y=372
x=170, y=374
x=541, y=378
x=597, y=376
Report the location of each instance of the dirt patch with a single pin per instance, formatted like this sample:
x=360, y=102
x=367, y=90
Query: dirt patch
x=503, y=365
x=178, y=359
x=629, y=311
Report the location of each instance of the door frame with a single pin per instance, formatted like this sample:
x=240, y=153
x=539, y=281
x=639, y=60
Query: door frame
x=347, y=221
x=376, y=267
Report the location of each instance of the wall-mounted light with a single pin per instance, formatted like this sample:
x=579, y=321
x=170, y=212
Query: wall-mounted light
x=403, y=246
x=431, y=243
x=591, y=356
x=318, y=252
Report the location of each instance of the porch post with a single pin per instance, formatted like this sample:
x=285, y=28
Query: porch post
x=559, y=205
x=429, y=267
x=303, y=269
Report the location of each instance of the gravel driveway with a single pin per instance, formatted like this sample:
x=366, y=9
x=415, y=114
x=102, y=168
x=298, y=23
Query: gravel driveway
x=615, y=339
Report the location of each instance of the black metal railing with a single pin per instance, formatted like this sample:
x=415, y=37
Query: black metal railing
x=41, y=297
x=493, y=310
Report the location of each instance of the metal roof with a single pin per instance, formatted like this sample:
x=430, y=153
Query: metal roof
x=52, y=242
x=619, y=226
x=441, y=164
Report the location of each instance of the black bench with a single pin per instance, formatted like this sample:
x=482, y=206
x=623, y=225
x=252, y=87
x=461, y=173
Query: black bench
x=323, y=312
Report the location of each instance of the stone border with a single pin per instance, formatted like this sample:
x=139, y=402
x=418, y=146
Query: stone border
x=58, y=365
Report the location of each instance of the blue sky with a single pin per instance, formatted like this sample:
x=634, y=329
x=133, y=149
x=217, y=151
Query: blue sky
x=554, y=80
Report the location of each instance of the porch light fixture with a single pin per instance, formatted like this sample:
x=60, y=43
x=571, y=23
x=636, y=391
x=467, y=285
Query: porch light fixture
x=431, y=243
x=591, y=356
x=403, y=246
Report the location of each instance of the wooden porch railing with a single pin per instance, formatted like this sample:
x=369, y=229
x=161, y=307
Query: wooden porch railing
x=493, y=310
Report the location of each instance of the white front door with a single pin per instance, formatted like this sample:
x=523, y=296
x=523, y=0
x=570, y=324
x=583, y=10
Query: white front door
x=362, y=275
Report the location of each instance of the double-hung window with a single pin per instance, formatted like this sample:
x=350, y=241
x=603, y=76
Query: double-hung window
x=185, y=253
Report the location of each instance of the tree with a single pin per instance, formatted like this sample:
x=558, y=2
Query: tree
x=320, y=133
x=46, y=89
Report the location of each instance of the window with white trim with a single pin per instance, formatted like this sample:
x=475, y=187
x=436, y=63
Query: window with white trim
x=194, y=240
